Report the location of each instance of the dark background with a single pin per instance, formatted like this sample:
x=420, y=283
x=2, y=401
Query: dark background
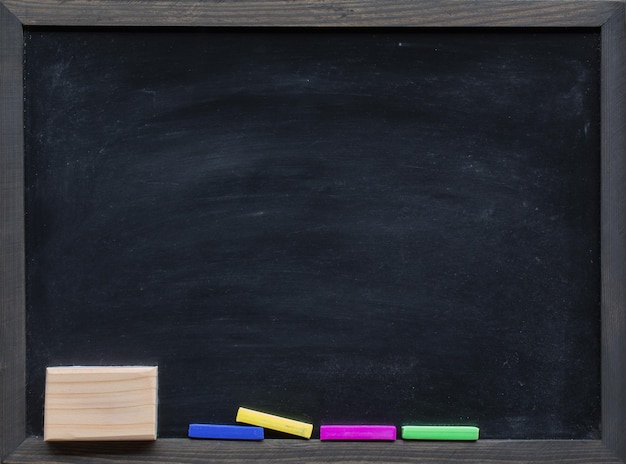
x=364, y=227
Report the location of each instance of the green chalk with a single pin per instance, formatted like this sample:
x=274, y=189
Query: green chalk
x=439, y=432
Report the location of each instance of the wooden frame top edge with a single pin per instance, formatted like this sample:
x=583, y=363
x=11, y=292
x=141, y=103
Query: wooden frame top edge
x=312, y=13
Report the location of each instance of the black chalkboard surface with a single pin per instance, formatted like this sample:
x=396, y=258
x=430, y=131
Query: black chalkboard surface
x=360, y=227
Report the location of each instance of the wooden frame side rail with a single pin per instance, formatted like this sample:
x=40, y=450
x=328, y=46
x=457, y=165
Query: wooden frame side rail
x=609, y=16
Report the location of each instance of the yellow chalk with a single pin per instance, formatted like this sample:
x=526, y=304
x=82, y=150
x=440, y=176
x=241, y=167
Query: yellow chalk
x=269, y=421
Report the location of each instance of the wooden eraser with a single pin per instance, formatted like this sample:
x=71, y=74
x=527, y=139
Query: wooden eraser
x=100, y=403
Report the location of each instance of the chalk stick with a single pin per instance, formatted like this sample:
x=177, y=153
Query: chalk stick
x=225, y=432
x=439, y=432
x=358, y=432
x=269, y=421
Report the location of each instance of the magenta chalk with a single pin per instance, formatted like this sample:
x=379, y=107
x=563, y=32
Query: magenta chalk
x=358, y=432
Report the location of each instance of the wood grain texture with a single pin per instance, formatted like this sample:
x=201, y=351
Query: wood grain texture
x=407, y=13
x=101, y=403
x=613, y=235
x=12, y=339
x=301, y=451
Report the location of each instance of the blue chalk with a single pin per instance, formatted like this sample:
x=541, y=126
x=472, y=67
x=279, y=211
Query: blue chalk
x=225, y=432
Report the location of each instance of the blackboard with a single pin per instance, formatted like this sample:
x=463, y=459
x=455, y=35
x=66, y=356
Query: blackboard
x=369, y=226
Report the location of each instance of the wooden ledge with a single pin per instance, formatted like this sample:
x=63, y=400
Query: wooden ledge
x=296, y=451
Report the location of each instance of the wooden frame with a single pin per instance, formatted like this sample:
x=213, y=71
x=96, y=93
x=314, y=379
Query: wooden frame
x=609, y=16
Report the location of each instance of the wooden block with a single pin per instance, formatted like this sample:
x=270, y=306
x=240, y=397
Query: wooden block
x=100, y=403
